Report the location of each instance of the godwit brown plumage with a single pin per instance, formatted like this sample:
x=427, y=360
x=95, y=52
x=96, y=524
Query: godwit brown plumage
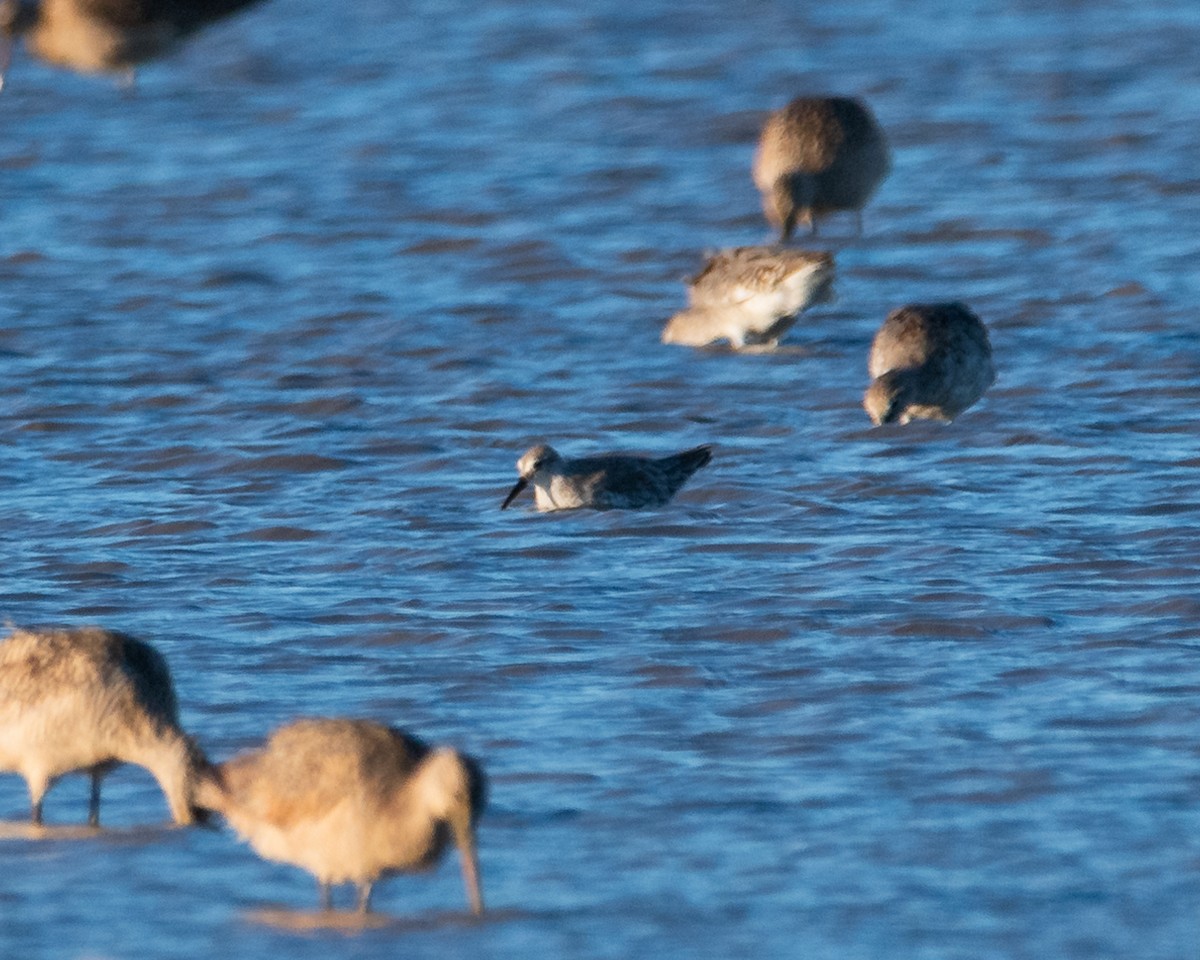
x=819, y=155
x=87, y=700
x=610, y=482
x=751, y=296
x=351, y=801
x=104, y=36
x=928, y=361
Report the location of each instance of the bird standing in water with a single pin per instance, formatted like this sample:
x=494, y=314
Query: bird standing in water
x=351, y=801
x=90, y=699
x=819, y=155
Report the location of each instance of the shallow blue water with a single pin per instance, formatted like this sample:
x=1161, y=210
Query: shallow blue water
x=276, y=327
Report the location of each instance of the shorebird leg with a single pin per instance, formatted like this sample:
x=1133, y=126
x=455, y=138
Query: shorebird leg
x=35, y=813
x=94, y=801
x=364, y=897
x=325, y=896
x=6, y=45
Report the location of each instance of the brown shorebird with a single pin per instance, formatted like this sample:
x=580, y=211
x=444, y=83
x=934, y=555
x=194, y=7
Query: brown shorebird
x=928, y=361
x=609, y=482
x=818, y=155
x=90, y=699
x=104, y=36
x=351, y=801
x=751, y=296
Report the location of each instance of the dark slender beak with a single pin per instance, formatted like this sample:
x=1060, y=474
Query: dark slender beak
x=464, y=836
x=512, y=494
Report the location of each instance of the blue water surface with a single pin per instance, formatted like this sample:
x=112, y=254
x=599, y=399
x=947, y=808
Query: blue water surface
x=276, y=325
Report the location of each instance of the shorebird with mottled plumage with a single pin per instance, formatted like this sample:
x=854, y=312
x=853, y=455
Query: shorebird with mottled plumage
x=816, y=156
x=928, y=361
x=352, y=801
x=89, y=699
x=104, y=36
x=609, y=482
x=751, y=296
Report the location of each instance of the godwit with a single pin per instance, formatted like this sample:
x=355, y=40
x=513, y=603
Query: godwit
x=90, y=699
x=351, y=801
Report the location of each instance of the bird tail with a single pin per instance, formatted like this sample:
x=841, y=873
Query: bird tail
x=691, y=460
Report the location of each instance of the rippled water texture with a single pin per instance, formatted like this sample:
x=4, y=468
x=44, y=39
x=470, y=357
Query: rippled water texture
x=276, y=326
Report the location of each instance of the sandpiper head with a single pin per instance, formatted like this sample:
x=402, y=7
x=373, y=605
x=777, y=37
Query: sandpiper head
x=789, y=202
x=534, y=459
x=454, y=789
x=817, y=275
x=886, y=399
x=676, y=330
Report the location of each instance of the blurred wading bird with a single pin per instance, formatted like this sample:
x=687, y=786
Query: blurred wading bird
x=351, y=801
x=751, y=296
x=928, y=361
x=610, y=482
x=818, y=155
x=90, y=699
x=104, y=36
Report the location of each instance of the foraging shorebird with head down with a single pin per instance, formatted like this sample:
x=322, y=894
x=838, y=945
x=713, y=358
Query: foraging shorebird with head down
x=609, y=482
x=351, y=801
x=928, y=361
x=104, y=36
x=751, y=296
x=90, y=699
x=816, y=156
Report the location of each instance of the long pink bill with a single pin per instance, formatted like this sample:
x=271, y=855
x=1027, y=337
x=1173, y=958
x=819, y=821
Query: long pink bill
x=465, y=838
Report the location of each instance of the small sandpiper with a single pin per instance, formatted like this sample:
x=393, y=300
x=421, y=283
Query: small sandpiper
x=609, y=482
x=819, y=155
x=928, y=361
x=751, y=296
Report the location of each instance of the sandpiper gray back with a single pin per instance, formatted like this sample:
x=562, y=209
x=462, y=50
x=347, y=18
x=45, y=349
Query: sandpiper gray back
x=928, y=361
x=89, y=699
x=609, y=482
x=751, y=296
x=816, y=156
x=352, y=801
